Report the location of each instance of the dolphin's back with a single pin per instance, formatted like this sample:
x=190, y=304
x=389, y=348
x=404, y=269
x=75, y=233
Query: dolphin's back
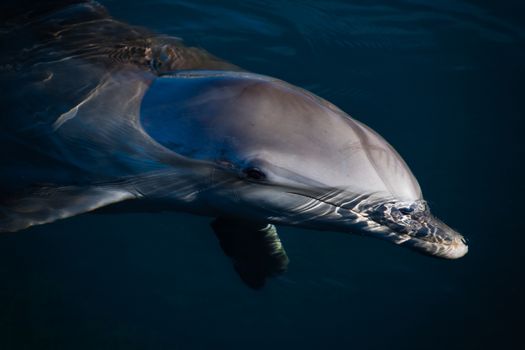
x=59, y=51
x=60, y=60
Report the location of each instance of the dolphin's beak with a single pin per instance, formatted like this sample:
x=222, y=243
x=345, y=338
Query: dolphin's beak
x=415, y=227
x=441, y=242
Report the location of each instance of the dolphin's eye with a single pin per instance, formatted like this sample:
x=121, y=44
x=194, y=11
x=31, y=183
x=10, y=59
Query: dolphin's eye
x=254, y=174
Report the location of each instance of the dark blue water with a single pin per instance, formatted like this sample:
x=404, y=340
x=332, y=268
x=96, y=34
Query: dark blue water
x=443, y=83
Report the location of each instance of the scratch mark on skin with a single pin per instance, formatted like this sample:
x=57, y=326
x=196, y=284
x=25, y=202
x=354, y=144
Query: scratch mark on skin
x=64, y=117
x=48, y=78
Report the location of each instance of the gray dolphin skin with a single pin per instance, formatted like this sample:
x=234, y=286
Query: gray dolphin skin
x=99, y=113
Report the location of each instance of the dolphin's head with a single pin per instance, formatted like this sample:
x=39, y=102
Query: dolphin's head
x=281, y=154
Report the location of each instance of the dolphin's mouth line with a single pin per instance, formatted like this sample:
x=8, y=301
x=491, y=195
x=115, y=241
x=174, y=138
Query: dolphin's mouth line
x=449, y=246
x=456, y=249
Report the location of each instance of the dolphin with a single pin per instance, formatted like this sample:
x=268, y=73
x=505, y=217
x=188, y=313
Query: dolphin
x=101, y=114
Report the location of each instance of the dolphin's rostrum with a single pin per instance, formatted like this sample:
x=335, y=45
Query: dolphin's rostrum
x=118, y=114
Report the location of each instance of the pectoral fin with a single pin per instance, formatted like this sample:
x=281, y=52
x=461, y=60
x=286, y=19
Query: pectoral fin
x=254, y=247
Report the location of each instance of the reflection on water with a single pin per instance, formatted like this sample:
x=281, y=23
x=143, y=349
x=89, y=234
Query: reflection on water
x=442, y=82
